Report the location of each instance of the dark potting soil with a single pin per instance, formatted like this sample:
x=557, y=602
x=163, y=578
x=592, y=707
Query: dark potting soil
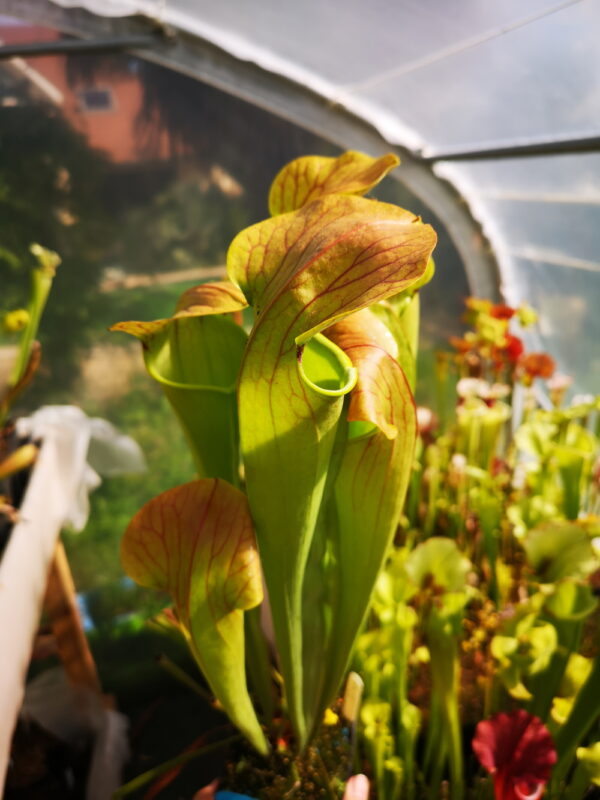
x=165, y=717
x=42, y=767
x=320, y=773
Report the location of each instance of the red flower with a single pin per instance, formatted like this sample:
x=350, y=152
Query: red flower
x=513, y=349
x=509, y=353
x=517, y=749
x=537, y=365
x=501, y=311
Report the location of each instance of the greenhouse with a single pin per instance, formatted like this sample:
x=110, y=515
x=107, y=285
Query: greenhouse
x=299, y=400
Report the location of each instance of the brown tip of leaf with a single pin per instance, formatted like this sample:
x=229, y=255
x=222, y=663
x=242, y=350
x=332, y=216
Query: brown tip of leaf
x=307, y=179
x=141, y=330
x=211, y=298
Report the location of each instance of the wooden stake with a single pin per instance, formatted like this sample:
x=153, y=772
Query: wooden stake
x=60, y=605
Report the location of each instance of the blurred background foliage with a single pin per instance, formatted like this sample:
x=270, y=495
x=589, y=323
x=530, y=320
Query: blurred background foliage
x=133, y=234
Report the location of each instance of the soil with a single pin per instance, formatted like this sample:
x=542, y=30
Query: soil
x=320, y=773
x=44, y=768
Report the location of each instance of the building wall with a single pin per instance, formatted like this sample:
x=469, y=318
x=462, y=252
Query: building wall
x=112, y=128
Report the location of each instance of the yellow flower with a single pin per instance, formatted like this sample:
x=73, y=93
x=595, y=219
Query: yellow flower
x=16, y=320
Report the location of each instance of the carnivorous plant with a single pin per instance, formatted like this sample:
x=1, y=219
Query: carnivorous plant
x=302, y=429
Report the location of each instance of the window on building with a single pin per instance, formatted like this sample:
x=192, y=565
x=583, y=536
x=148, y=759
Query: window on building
x=96, y=99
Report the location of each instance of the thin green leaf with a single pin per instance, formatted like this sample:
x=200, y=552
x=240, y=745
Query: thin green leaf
x=42, y=277
x=178, y=761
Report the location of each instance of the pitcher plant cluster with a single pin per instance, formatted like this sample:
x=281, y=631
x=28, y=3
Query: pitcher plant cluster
x=449, y=557
x=484, y=622
x=302, y=426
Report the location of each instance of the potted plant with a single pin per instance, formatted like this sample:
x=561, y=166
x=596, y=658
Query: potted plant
x=303, y=432
x=484, y=616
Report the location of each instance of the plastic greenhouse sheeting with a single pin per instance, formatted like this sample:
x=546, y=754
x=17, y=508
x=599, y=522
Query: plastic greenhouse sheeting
x=430, y=73
x=439, y=79
x=543, y=213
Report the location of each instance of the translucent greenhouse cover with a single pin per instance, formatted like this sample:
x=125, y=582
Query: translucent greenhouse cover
x=443, y=78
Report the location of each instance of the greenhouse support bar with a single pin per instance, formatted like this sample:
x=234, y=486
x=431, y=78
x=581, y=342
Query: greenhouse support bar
x=203, y=60
x=582, y=144
x=64, y=46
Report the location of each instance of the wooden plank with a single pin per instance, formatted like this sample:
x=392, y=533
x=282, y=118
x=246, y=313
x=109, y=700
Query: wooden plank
x=61, y=607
